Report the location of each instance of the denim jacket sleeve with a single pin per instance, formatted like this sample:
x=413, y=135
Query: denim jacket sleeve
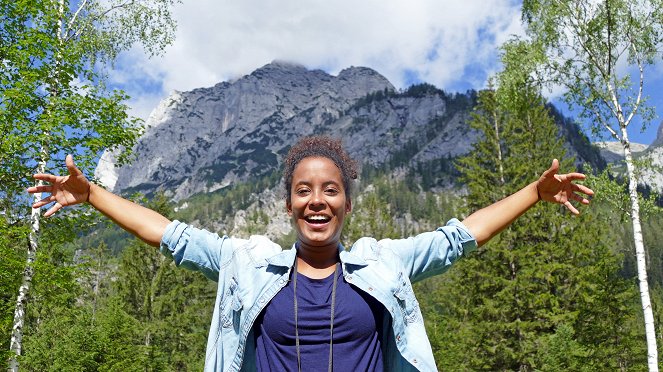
x=432, y=253
x=197, y=249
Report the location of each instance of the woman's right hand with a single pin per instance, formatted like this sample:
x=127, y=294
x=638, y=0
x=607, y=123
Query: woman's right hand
x=65, y=190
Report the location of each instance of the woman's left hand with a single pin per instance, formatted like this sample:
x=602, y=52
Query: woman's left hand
x=559, y=188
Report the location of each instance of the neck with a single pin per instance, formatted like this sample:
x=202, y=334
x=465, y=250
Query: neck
x=316, y=263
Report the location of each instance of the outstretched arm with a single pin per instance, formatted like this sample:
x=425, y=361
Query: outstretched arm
x=556, y=188
x=142, y=222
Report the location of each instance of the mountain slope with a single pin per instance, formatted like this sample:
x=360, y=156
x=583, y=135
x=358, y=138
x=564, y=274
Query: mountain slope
x=208, y=138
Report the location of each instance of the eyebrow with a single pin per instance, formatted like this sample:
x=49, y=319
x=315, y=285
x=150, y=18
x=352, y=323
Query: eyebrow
x=309, y=183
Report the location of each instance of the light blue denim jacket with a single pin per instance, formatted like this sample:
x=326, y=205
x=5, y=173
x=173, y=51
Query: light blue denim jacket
x=250, y=273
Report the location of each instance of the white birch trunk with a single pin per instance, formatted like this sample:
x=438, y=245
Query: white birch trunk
x=16, y=341
x=652, y=351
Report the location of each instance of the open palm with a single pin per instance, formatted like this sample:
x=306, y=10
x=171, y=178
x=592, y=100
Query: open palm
x=559, y=188
x=65, y=190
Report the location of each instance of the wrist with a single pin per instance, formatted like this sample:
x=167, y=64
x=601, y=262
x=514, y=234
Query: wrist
x=90, y=189
x=538, y=194
x=535, y=185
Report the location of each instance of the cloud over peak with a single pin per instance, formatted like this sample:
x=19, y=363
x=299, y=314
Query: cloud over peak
x=447, y=43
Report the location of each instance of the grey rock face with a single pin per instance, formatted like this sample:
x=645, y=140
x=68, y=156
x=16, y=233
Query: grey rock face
x=658, y=142
x=208, y=138
x=613, y=152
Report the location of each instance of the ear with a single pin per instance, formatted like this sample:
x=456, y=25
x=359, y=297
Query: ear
x=288, y=208
x=348, y=206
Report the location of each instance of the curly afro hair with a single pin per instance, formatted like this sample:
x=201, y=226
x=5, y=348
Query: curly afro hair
x=324, y=147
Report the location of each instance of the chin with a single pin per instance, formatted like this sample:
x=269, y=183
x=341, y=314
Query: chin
x=318, y=242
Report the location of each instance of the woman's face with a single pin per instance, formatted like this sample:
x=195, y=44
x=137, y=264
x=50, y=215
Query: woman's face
x=318, y=203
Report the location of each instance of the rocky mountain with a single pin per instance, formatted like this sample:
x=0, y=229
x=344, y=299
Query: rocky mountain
x=208, y=138
x=613, y=152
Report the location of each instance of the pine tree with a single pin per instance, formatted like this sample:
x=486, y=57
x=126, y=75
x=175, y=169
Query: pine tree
x=600, y=54
x=54, y=100
x=172, y=306
x=547, y=275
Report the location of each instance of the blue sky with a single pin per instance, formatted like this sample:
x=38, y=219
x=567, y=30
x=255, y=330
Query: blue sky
x=450, y=44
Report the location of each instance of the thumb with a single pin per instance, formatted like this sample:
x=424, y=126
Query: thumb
x=73, y=169
x=554, y=168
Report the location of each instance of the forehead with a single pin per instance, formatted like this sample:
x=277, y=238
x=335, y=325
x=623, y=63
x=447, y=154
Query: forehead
x=316, y=168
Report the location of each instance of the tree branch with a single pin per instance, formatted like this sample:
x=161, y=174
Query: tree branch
x=73, y=18
x=96, y=18
x=638, y=100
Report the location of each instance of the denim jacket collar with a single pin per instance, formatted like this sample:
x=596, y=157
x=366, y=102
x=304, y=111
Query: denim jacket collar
x=287, y=257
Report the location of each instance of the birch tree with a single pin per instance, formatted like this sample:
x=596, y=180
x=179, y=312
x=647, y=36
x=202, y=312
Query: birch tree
x=545, y=294
x=54, y=99
x=599, y=51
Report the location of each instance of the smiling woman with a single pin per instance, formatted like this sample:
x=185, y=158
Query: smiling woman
x=317, y=305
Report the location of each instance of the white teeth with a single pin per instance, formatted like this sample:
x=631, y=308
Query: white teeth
x=318, y=218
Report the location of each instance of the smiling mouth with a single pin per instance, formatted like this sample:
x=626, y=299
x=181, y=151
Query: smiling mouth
x=317, y=219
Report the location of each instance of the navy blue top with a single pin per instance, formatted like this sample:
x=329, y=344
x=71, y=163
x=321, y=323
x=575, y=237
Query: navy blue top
x=357, y=328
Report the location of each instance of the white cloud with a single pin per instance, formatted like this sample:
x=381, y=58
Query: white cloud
x=446, y=43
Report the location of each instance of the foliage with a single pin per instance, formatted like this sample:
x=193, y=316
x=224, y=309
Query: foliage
x=219, y=205
x=538, y=283
x=560, y=351
x=422, y=90
x=53, y=102
x=389, y=208
x=139, y=313
x=13, y=235
x=583, y=44
x=599, y=53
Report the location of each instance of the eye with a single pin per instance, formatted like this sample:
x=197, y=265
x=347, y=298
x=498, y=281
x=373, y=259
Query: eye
x=302, y=191
x=331, y=191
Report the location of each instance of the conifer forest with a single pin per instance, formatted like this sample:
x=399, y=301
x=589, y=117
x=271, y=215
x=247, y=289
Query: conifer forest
x=553, y=292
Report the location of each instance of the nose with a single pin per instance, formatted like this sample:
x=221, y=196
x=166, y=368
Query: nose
x=317, y=199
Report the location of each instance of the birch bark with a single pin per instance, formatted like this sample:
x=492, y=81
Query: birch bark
x=16, y=342
x=650, y=333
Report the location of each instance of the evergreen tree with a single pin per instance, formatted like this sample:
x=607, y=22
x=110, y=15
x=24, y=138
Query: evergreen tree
x=370, y=217
x=54, y=100
x=600, y=52
x=141, y=313
x=544, y=280
x=172, y=306
x=13, y=236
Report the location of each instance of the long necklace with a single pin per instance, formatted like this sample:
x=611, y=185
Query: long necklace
x=331, y=321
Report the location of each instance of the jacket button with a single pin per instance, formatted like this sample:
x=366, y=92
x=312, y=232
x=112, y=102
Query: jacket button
x=349, y=278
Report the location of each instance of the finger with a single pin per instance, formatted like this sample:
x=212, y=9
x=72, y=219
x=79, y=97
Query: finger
x=579, y=198
x=53, y=209
x=583, y=189
x=554, y=168
x=44, y=201
x=73, y=170
x=573, y=176
x=45, y=177
x=40, y=188
x=571, y=208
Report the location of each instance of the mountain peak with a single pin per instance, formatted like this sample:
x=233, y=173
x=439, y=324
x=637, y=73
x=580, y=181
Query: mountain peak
x=358, y=71
x=205, y=139
x=279, y=64
x=208, y=138
x=658, y=142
